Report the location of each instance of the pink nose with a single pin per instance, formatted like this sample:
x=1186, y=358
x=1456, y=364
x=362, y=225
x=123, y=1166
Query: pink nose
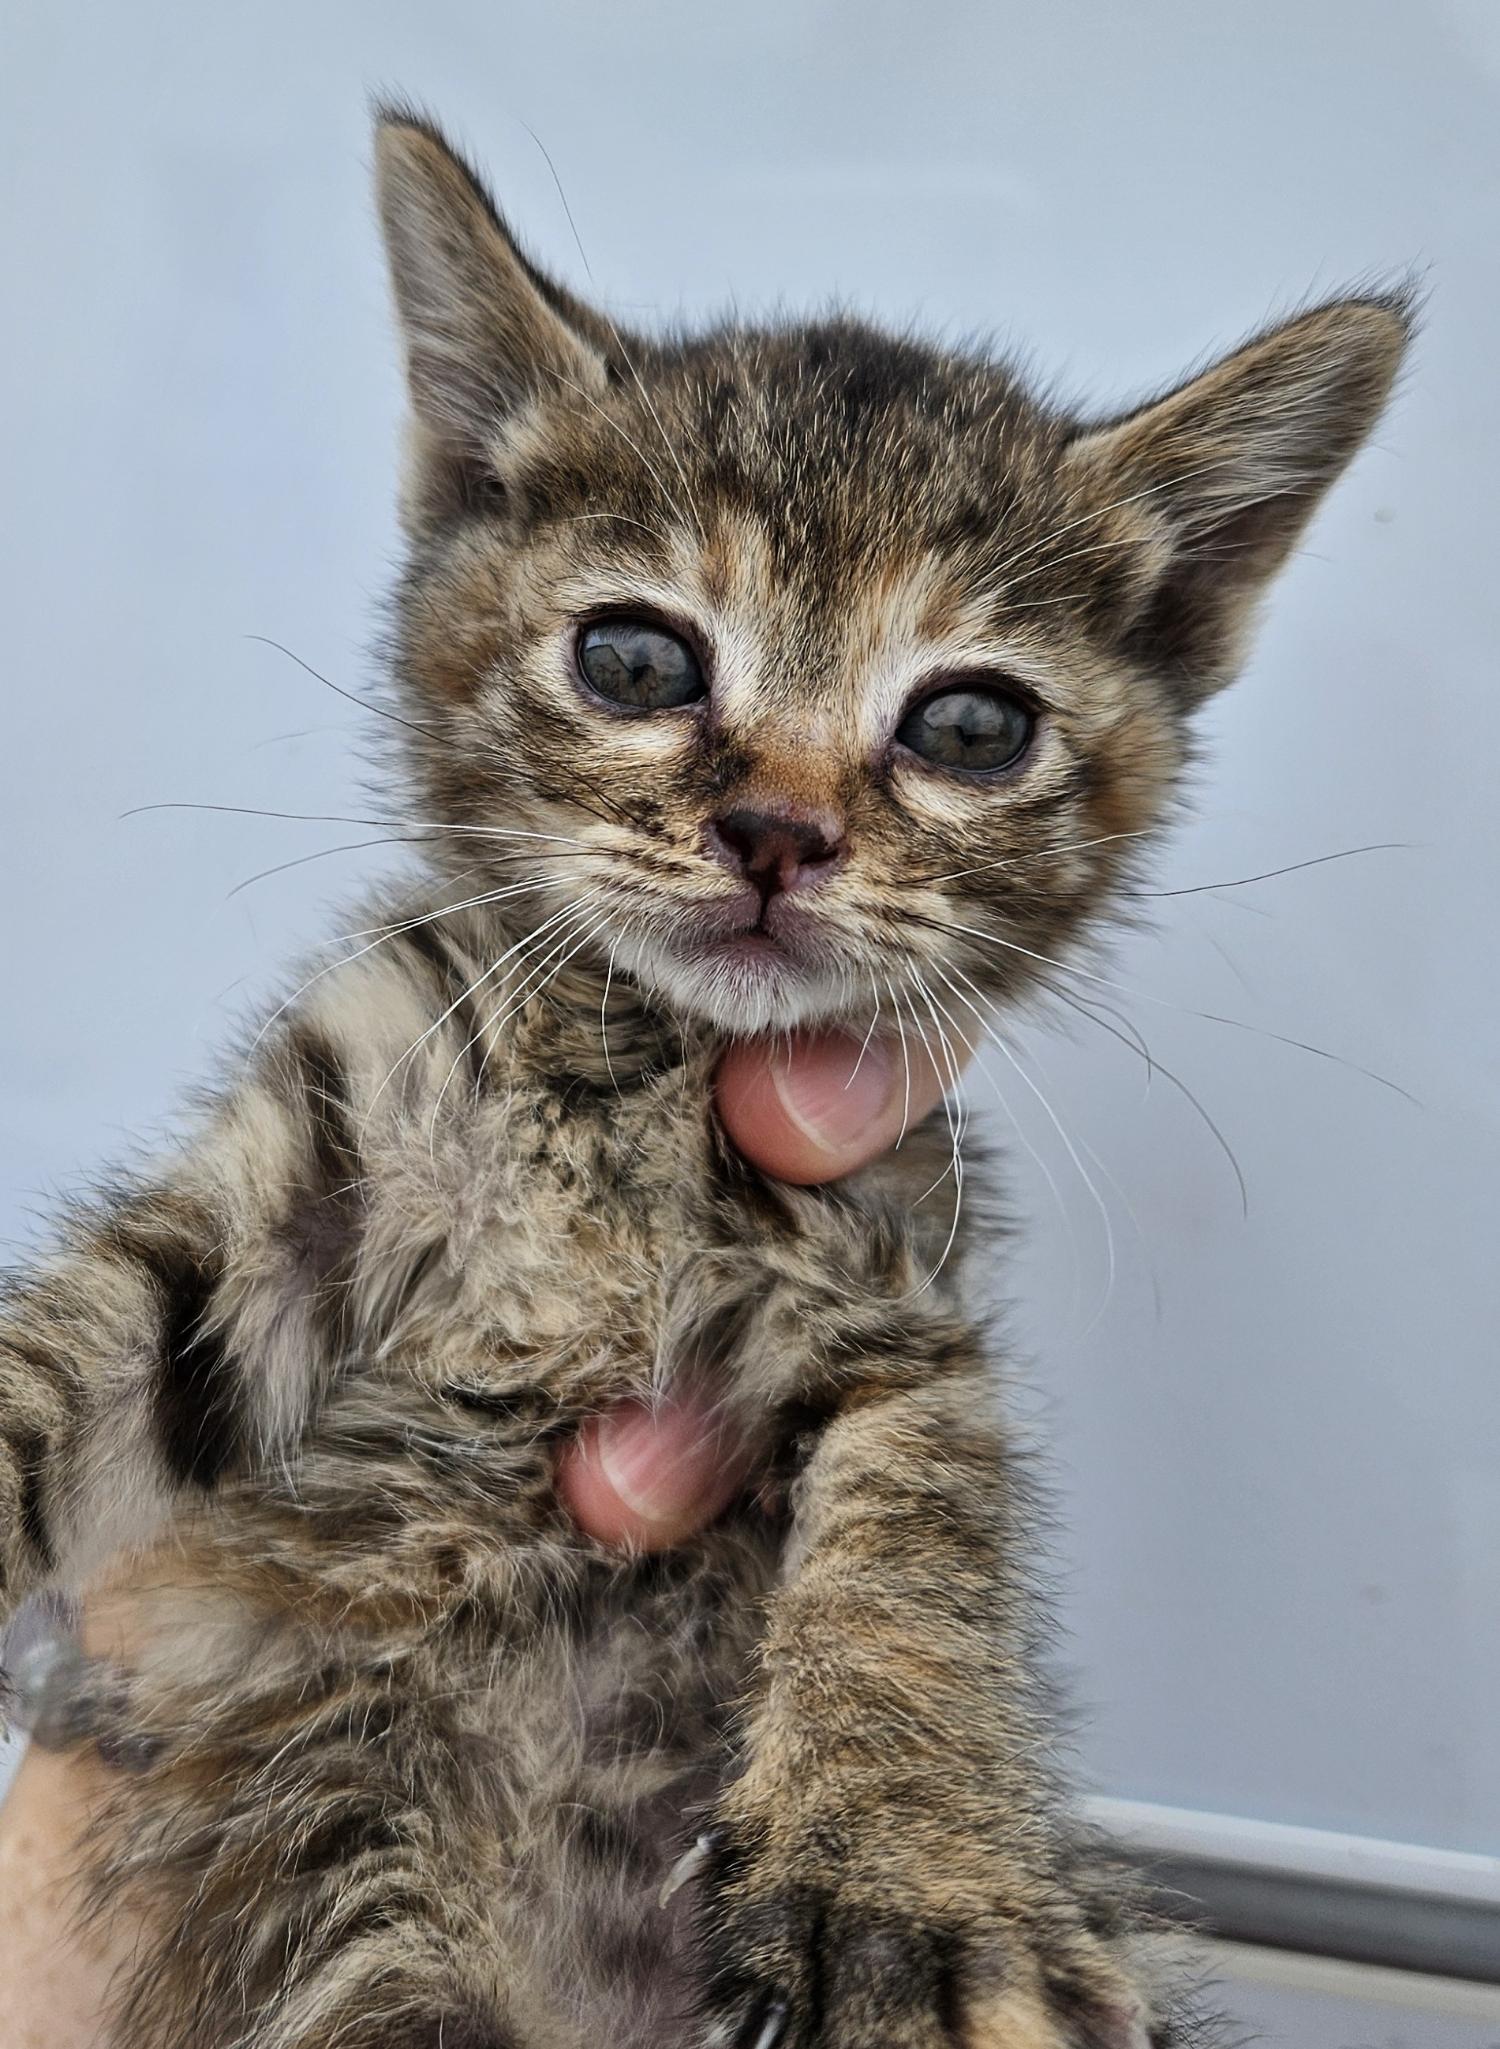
x=778, y=850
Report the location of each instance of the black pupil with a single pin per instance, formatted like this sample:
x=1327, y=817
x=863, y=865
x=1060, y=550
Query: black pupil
x=969, y=729
x=630, y=661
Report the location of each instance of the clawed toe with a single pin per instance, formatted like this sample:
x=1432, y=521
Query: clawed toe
x=689, y=1864
x=765, y=2024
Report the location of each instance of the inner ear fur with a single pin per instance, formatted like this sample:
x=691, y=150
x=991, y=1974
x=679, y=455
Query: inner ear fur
x=1222, y=474
x=485, y=331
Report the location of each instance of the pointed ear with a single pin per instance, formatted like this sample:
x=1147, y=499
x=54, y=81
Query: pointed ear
x=1221, y=476
x=484, y=330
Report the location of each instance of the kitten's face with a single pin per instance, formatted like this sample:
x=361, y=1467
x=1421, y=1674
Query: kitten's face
x=831, y=671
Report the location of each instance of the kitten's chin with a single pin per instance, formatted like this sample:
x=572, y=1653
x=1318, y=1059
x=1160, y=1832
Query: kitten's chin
x=741, y=986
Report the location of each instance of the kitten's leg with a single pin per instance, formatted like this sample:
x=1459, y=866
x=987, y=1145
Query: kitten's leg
x=308, y=1851
x=888, y=1872
x=185, y=1326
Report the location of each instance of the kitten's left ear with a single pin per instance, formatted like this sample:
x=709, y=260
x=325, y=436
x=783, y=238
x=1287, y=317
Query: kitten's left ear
x=485, y=330
x=1220, y=477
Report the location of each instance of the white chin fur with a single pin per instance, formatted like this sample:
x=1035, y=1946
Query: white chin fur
x=732, y=997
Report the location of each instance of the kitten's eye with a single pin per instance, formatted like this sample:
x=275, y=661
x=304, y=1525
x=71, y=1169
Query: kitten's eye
x=634, y=661
x=484, y=492
x=968, y=728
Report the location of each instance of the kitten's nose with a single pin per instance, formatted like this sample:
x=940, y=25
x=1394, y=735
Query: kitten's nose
x=778, y=850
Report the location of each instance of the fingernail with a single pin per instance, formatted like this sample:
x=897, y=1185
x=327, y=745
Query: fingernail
x=834, y=1095
x=657, y=1461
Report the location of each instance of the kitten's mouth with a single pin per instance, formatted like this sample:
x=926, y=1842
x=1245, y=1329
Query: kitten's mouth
x=765, y=932
x=749, y=966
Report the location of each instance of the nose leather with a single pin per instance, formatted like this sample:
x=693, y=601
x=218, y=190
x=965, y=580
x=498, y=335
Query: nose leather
x=778, y=851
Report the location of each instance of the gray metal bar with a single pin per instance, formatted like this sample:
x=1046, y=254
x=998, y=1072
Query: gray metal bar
x=1404, y=1906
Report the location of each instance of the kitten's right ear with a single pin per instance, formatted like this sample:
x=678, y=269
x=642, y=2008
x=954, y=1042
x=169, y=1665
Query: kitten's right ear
x=484, y=330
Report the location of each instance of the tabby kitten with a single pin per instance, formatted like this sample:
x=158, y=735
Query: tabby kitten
x=764, y=677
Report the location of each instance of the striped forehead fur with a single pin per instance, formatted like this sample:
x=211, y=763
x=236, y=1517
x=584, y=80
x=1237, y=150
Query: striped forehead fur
x=840, y=519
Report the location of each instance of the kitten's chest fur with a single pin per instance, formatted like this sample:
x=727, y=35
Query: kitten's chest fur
x=547, y=1242
x=498, y=1247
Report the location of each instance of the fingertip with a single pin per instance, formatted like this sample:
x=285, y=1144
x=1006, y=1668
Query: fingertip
x=823, y=1104
x=585, y=1491
x=642, y=1477
x=754, y=1116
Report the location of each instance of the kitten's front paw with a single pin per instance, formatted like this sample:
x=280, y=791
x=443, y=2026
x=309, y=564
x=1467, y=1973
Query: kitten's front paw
x=800, y=1958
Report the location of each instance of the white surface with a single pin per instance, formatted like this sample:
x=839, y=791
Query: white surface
x=1282, y=1485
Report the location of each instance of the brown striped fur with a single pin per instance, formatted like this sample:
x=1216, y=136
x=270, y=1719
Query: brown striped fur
x=410, y=1759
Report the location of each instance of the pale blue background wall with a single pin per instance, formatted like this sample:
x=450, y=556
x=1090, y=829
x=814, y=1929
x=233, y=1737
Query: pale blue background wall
x=1278, y=1440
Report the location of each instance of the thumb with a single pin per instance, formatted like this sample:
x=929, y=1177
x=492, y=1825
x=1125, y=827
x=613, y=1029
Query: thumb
x=646, y=1476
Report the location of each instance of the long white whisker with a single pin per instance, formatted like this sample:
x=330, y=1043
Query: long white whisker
x=865, y=1042
x=389, y=932
x=533, y=938
x=986, y=1023
x=956, y=1127
x=905, y=1065
x=609, y=976
x=535, y=988
x=937, y=1065
x=1083, y=1173
x=1237, y=1024
x=466, y=903
x=438, y=1023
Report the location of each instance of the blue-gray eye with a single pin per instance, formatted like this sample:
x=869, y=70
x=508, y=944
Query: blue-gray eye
x=636, y=662
x=970, y=728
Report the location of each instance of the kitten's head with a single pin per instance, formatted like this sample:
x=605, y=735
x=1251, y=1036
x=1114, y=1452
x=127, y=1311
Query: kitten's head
x=829, y=669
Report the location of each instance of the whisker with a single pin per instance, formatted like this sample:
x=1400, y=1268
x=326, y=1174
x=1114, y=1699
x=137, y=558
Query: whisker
x=956, y=1116
x=422, y=825
x=338, y=689
x=1292, y=868
x=1211, y=939
x=1083, y=1174
x=865, y=1043
x=999, y=1043
x=1037, y=854
x=1157, y=1066
x=535, y=938
x=609, y=322
x=482, y=1030
x=1128, y=1025
x=905, y=1066
x=495, y=1022
x=390, y=932
x=986, y=1024
x=1237, y=1024
x=609, y=976
x=467, y=903
x=1111, y=1273
x=438, y=1023
x=323, y=853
